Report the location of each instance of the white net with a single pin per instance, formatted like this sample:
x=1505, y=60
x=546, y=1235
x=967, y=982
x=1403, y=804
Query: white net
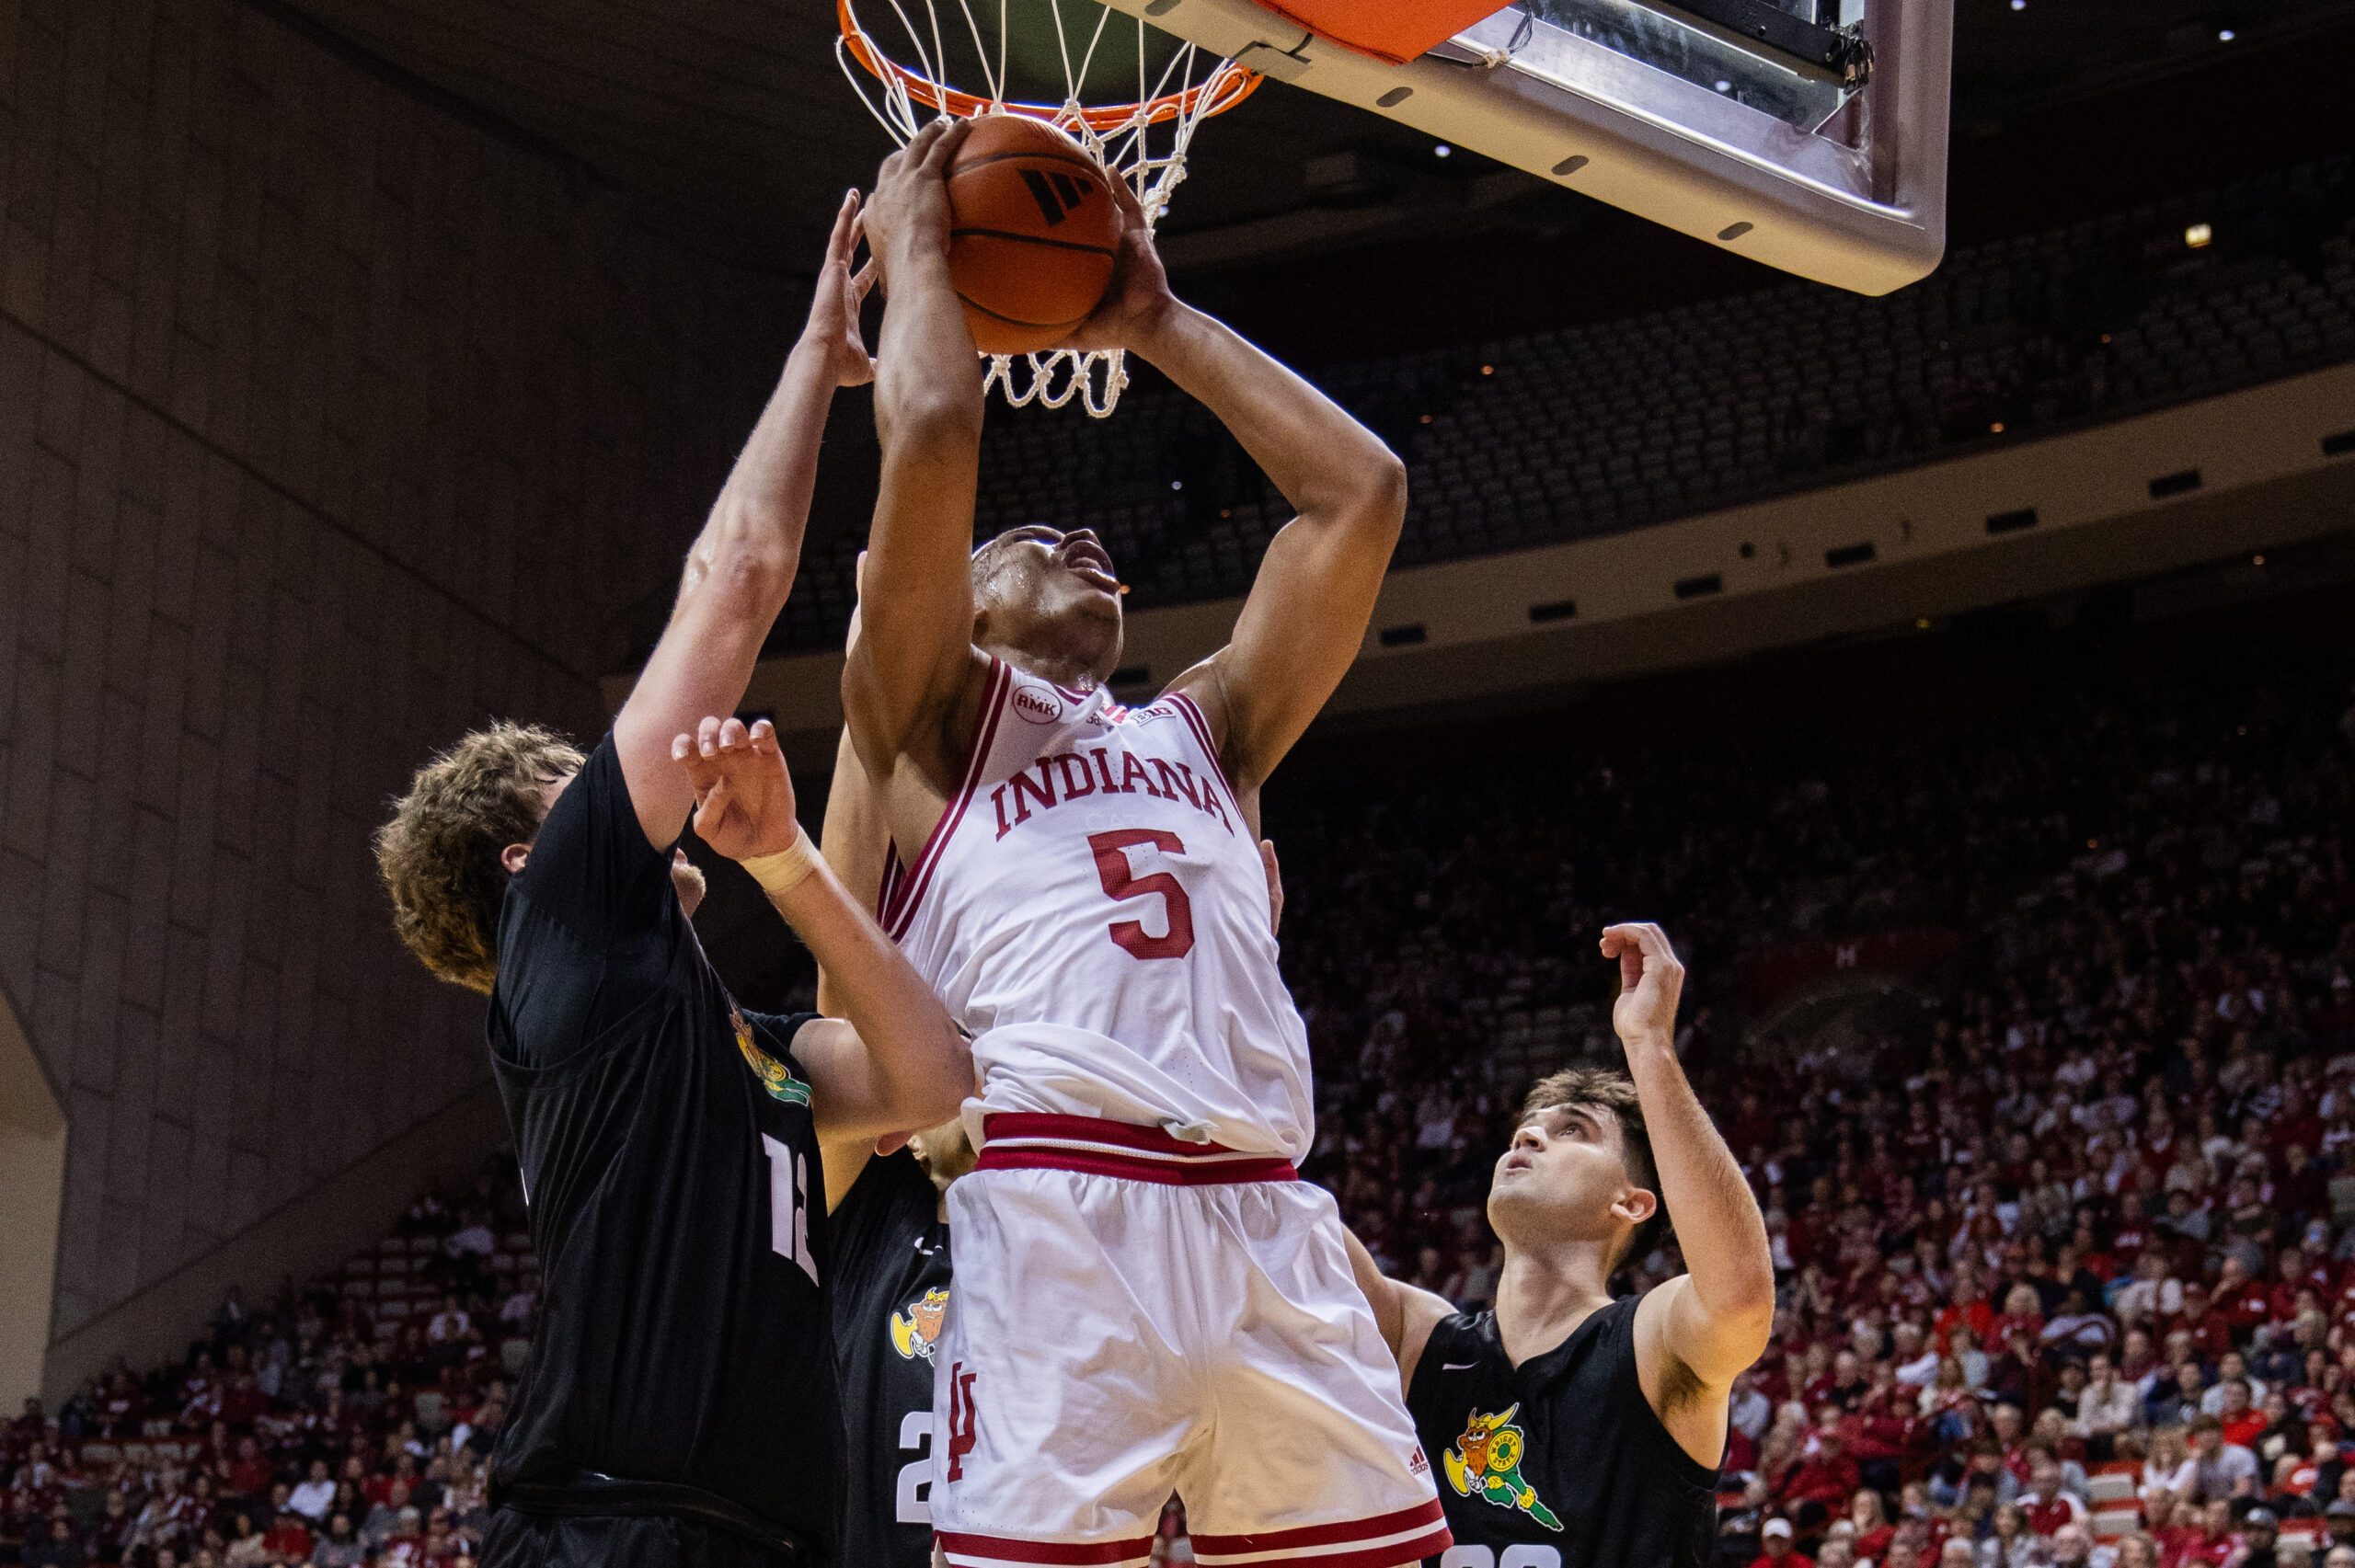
x=1004, y=56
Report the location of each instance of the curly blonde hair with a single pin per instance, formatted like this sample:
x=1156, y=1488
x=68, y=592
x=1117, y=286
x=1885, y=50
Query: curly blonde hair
x=440, y=854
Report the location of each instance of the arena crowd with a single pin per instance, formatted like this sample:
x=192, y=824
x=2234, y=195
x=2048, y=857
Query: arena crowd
x=2064, y=1220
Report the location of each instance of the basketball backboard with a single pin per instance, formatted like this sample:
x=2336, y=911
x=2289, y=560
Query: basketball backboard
x=1809, y=135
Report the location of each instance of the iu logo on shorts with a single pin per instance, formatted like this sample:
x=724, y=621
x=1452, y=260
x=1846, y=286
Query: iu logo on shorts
x=961, y=1418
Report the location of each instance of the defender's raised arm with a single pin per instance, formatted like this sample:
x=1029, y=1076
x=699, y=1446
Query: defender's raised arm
x=742, y=564
x=1707, y=1325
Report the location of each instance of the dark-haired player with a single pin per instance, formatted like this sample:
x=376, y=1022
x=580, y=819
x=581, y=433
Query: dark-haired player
x=680, y=1404
x=1148, y=1296
x=1569, y=1427
x=893, y=1271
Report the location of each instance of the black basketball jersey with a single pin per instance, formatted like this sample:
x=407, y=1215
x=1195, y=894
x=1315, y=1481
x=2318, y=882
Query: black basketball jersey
x=676, y=1198
x=890, y=1290
x=1560, y=1462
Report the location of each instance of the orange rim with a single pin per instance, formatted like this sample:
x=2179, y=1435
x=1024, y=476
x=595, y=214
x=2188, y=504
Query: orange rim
x=1217, y=93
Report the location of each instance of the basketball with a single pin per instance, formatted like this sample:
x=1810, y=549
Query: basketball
x=1032, y=234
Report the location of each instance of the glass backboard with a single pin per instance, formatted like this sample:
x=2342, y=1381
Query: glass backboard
x=1809, y=135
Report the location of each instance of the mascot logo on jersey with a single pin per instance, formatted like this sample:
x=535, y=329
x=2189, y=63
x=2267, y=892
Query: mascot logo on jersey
x=775, y=1076
x=1486, y=1463
x=912, y=1334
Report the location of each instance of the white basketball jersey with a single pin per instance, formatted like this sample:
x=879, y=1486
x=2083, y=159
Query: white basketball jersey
x=1093, y=908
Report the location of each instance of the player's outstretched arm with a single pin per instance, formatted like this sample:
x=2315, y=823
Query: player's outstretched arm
x=855, y=836
x=1307, y=613
x=1698, y=1332
x=909, y=677
x=742, y=565
x=1405, y=1313
x=894, y=1061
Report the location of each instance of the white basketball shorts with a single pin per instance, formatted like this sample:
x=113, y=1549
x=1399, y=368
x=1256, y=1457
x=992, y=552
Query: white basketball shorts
x=1135, y=1316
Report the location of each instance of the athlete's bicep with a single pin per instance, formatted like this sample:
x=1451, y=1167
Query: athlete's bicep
x=854, y=1101
x=1299, y=633
x=846, y=1099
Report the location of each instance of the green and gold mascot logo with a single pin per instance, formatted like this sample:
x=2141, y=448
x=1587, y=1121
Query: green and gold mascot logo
x=912, y=1334
x=773, y=1075
x=1486, y=1463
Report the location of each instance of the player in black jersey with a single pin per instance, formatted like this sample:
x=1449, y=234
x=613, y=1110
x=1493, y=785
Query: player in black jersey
x=892, y=1293
x=680, y=1404
x=1569, y=1428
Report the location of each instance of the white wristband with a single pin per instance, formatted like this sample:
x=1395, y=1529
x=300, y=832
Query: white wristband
x=780, y=873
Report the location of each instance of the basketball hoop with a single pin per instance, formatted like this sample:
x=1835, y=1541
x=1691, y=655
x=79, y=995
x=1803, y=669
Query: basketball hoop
x=1143, y=141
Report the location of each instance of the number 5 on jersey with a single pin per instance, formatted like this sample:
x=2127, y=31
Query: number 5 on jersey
x=1121, y=881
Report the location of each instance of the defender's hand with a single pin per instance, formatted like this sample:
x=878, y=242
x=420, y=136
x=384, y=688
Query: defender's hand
x=1138, y=299
x=743, y=793
x=832, y=329
x=908, y=214
x=1650, y=980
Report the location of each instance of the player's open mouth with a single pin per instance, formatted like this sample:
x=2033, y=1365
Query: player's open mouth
x=1091, y=562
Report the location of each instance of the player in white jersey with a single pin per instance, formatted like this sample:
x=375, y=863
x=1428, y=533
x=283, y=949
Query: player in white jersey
x=1147, y=1297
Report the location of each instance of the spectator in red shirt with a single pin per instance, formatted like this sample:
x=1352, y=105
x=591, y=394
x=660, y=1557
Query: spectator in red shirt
x=2241, y=1301
x=1828, y=1478
x=2213, y=1543
x=1775, y=1548
x=1874, y=1532
x=2211, y=1335
x=1967, y=1308
x=2296, y=1270
x=242, y=1403
x=249, y=1473
x=2047, y=1504
x=2303, y=1190
x=288, y=1541
x=2242, y=1421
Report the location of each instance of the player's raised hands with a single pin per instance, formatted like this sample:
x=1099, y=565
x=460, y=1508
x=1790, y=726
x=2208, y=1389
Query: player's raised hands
x=834, y=330
x=744, y=791
x=1138, y=298
x=909, y=211
x=1650, y=980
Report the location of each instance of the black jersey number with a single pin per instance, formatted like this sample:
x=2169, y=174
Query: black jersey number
x=1514, y=1557
x=790, y=1205
x=911, y=1498
x=1121, y=881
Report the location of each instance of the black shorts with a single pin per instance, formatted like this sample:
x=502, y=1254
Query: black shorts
x=517, y=1540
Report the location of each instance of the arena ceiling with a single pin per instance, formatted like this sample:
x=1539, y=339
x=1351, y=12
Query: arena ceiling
x=735, y=112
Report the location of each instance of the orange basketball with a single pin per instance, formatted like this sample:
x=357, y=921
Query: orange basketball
x=1032, y=234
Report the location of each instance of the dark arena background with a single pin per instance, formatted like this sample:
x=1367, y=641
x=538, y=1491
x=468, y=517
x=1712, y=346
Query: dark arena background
x=1962, y=675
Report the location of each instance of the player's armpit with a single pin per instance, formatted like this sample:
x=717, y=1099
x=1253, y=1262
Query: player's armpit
x=1687, y=1359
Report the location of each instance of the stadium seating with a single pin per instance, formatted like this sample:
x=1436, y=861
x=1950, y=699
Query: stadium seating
x=1595, y=429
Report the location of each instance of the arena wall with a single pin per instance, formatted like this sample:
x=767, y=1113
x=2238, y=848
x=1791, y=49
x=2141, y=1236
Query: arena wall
x=331, y=423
